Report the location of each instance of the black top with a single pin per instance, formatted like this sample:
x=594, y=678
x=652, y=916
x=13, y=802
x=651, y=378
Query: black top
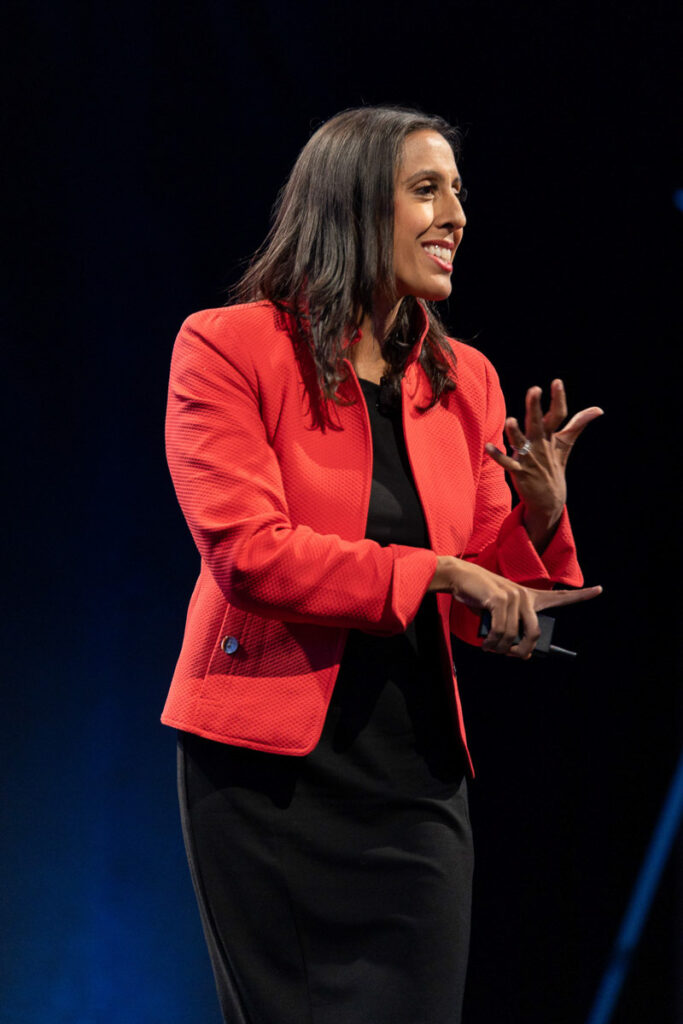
x=392, y=713
x=395, y=515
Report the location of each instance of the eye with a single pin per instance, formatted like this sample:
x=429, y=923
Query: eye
x=426, y=190
x=461, y=193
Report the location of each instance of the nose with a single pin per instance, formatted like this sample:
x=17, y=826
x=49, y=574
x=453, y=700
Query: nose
x=452, y=214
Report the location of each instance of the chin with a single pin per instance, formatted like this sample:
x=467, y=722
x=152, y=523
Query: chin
x=430, y=291
x=435, y=294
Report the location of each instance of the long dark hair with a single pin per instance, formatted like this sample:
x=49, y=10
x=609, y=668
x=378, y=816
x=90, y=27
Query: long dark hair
x=329, y=253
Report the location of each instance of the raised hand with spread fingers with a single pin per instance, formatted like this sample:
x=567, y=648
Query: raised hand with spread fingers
x=538, y=465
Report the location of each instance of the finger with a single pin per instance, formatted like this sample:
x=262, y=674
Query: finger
x=496, y=606
x=512, y=465
x=504, y=629
x=511, y=623
x=513, y=433
x=533, y=424
x=557, y=413
x=530, y=628
x=554, y=598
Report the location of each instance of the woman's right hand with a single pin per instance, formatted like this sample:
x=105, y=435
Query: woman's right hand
x=509, y=604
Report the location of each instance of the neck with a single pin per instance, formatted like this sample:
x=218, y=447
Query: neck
x=367, y=355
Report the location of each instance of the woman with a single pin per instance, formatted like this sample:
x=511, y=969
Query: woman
x=338, y=461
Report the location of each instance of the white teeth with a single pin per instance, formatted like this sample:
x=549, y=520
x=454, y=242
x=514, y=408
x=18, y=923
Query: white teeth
x=437, y=250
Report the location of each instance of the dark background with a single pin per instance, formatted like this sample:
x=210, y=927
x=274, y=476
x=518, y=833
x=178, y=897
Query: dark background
x=144, y=145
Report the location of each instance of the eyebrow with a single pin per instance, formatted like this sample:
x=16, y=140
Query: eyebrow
x=428, y=172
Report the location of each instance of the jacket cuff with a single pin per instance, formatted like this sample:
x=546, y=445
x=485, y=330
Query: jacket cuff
x=518, y=559
x=413, y=571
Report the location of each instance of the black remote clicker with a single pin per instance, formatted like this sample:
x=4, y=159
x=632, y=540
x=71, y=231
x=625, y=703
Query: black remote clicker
x=544, y=646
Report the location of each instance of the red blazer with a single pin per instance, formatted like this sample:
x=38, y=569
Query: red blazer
x=278, y=505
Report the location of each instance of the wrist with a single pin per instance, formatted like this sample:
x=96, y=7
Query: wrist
x=541, y=525
x=442, y=579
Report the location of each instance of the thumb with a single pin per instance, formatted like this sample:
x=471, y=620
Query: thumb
x=564, y=439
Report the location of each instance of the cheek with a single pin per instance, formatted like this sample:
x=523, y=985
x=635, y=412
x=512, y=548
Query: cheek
x=407, y=235
x=405, y=256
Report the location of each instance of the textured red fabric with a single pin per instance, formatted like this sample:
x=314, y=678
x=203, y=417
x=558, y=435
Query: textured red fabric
x=277, y=505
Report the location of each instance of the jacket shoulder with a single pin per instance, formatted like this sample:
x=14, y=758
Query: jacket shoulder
x=254, y=338
x=471, y=361
x=475, y=375
x=237, y=324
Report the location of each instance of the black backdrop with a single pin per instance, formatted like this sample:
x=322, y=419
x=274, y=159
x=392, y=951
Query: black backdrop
x=144, y=145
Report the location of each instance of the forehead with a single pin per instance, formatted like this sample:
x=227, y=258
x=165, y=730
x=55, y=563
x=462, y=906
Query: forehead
x=428, y=150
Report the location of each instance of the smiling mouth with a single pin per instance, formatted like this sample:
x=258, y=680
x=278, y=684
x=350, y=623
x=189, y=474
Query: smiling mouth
x=441, y=256
x=440, y=251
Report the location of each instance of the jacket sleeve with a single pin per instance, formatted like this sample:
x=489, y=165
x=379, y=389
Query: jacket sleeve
x=228, y=482
x=499, y=541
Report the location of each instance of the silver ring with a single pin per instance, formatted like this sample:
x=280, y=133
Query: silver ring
x=524, y=450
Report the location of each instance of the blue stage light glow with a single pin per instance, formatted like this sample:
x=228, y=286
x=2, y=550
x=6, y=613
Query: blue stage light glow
x=678, y=199
x=643, y=893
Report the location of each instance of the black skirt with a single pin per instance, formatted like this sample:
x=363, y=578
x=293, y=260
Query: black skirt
x=335, y=888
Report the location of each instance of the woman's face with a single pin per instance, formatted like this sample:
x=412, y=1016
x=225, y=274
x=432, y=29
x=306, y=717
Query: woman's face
x=428, y=217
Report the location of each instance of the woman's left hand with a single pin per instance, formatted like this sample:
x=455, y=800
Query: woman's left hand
x=541, y=453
